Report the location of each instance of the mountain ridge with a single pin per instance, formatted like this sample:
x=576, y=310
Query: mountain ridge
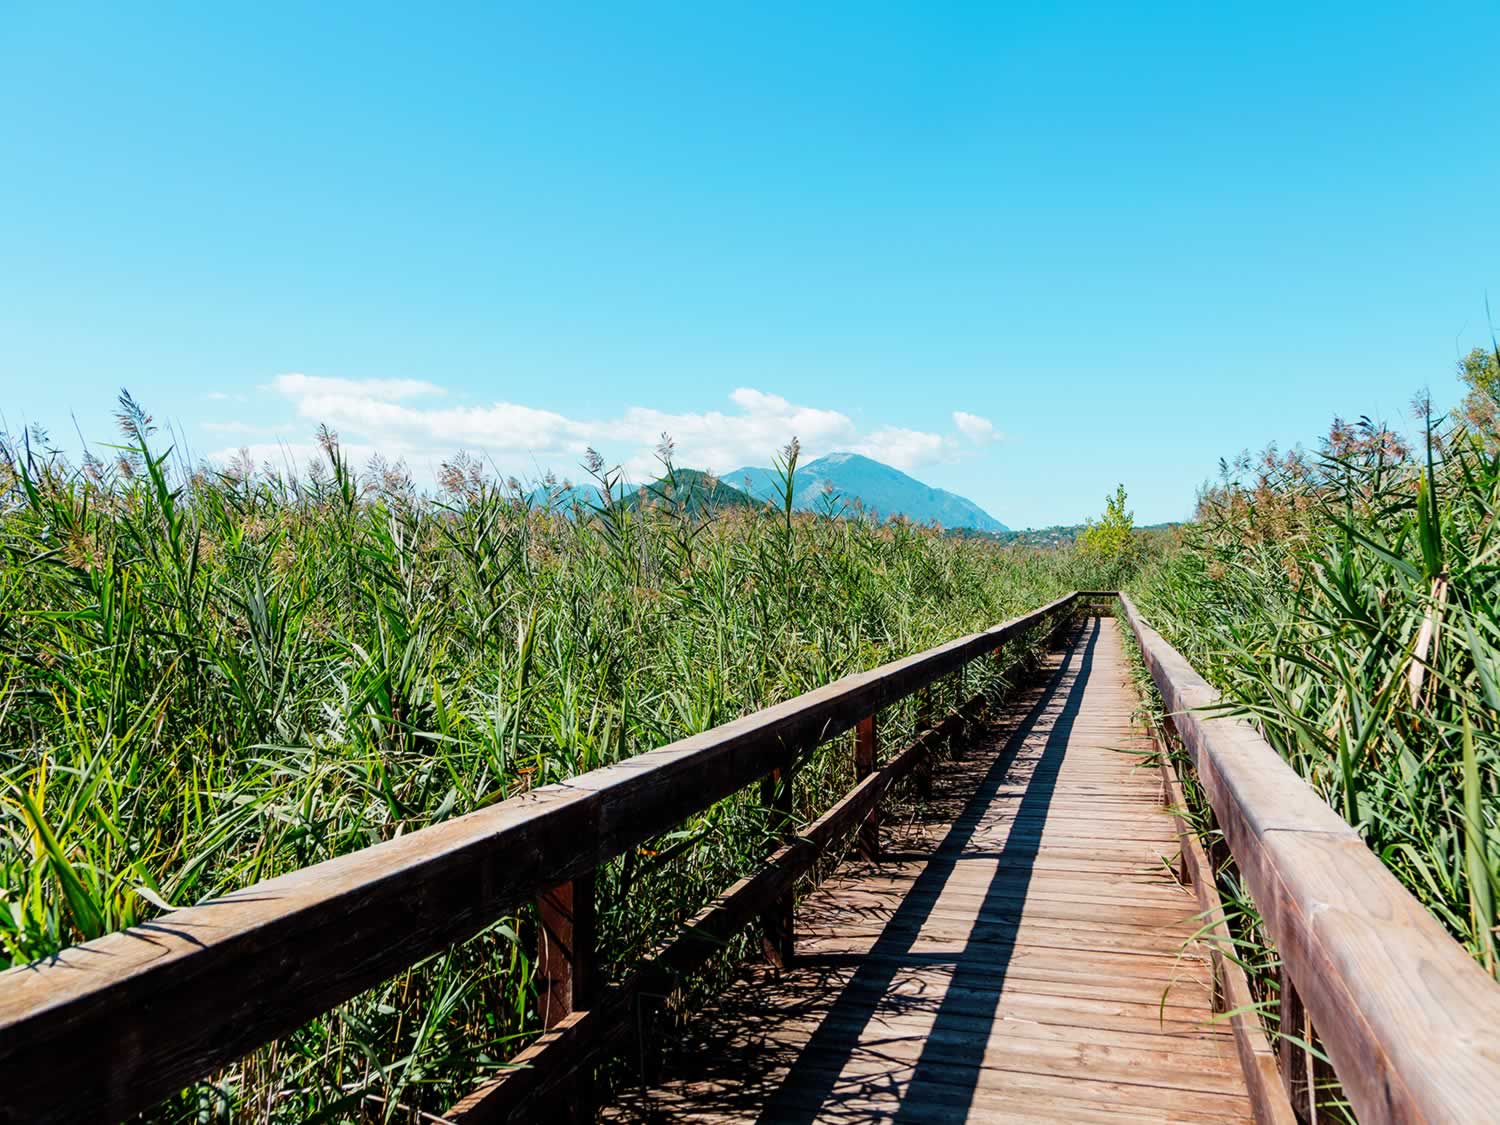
x=695, y=491
x=877, y=486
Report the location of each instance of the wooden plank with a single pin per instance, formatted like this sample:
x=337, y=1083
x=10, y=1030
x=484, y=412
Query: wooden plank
x=1111, y=1055
x=1411, y=1023
x=1295, y=1073
x=1004, y=907
x=884, y=1093
x=140, y=1014
x=498, y=1100
x=1062, y=1018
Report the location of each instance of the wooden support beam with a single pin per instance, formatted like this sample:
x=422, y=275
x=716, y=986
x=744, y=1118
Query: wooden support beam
x=567, y=966
x=777, y=923
x=1295, y=1033
x=865, y=740
x=960, y=736
x=922, y=725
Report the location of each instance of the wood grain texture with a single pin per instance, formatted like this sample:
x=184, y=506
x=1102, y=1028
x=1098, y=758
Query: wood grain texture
x=1021, y=953
x=1411, y=1023
x=140, y=1014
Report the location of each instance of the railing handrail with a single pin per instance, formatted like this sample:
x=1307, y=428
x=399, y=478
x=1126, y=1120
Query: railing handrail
x=1410, y=1022
x=134, y=1016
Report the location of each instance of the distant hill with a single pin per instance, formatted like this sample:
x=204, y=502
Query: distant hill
x=878, y=487
x=1058, y=535
x=700, y=492
x=562, y=496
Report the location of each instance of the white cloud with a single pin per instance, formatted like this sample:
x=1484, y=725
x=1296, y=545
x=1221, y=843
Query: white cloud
x=981, y=431
x=246, y=428
x=385, y=390
x=905, y=449
x=400, y=419
x=725, y=441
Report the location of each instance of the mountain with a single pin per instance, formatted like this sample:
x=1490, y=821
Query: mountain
x=697, y=491
x=878, y=487
x=700, y=492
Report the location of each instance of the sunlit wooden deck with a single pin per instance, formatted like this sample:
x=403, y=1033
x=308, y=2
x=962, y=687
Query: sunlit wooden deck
x=1022, y=952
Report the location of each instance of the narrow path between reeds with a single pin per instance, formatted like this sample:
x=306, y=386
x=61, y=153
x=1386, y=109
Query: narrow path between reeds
x=1017, y=954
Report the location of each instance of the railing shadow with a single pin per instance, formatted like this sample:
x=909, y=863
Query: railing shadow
x=948, y=1067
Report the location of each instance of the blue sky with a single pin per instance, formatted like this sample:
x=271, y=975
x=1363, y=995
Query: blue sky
x=1021, y=250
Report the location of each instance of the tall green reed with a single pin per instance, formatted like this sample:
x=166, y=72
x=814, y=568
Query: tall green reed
x=1347, y=603
x=209, y=676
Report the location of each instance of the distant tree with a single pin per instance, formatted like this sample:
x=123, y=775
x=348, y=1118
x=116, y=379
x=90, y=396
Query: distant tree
x=1480, y=410
x=1112, y=536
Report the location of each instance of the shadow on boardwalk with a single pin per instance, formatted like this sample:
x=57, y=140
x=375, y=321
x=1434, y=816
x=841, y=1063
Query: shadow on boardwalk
x=951, y=1059
x=1022, y=959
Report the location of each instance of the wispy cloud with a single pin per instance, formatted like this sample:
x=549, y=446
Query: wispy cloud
x=981, y=431
x=245, y=429
x=297, y=385
x=419, y=421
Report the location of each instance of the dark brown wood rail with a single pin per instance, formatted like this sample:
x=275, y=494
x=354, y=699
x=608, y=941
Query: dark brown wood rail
x=142, y=1013
x=1410, y=1022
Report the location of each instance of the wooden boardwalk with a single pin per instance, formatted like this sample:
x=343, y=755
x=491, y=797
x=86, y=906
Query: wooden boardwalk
x=1022, y=952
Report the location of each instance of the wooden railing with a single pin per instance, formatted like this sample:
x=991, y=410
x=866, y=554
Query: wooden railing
x=1409, y=1021
x=106, y=1029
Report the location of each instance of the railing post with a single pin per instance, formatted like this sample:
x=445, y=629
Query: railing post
x=567, y=972
x=864, y=766
x=1293, y=1055
x=960, y=698
x=777, y=929
x=923, y=773
x=959, y=733
x=1182, y=869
